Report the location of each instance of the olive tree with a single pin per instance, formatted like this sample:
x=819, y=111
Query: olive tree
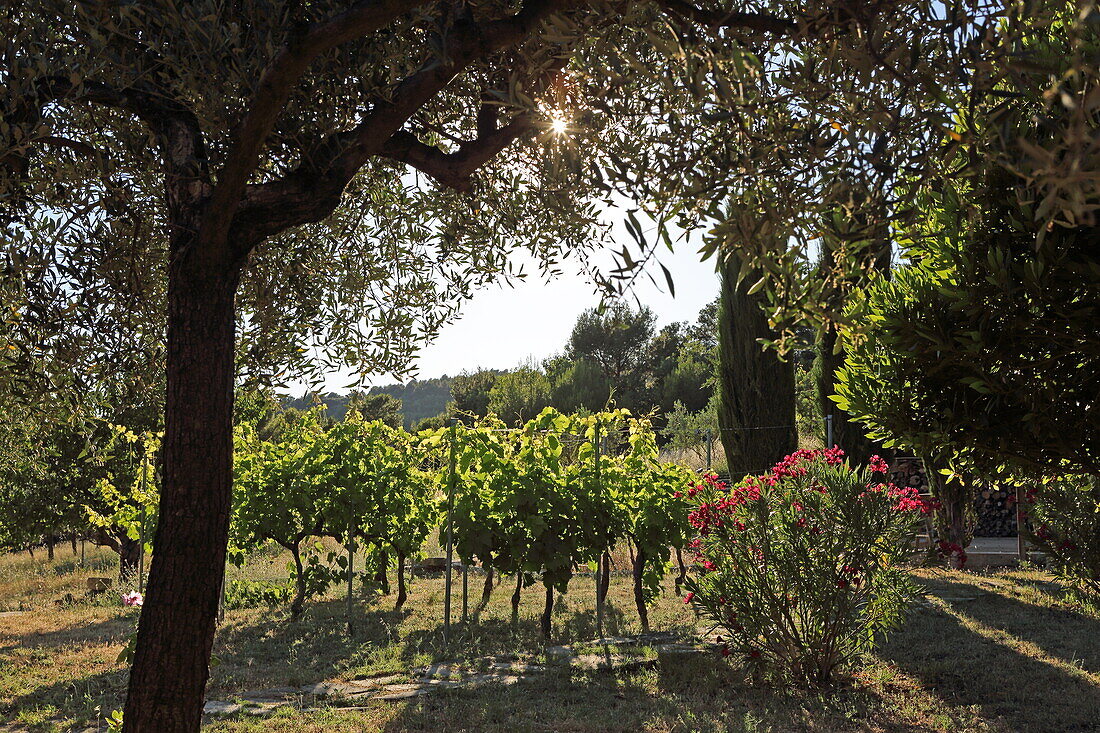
x=318, y=183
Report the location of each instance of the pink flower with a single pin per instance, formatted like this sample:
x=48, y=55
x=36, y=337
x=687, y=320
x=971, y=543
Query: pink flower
x=688, y=597
x=133, y=598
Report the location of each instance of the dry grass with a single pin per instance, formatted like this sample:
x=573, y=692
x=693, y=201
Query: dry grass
x=1000, y=652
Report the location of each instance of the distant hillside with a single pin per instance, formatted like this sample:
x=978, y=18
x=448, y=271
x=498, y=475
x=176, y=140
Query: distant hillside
x=420, y=398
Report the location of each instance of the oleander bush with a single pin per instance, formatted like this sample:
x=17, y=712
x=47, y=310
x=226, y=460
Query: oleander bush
x=801, y=568
x=1064, y=516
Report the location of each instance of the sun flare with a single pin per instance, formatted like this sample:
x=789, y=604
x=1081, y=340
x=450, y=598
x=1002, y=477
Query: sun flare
x=559, y=125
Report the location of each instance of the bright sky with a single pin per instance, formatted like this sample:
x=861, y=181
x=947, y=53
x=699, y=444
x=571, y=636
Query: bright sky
x=504, y=326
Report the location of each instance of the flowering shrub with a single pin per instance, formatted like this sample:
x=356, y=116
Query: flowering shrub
x=1064, y=515
x=799, y=567
x=133, y=598
x=954, y=553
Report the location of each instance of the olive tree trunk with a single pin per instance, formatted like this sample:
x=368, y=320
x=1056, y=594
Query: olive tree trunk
x=176, y=631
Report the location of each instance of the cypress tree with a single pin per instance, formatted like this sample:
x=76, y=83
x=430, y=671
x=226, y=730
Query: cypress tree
x=756, y=409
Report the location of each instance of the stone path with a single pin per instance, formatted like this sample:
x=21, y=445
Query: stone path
x=614, y=654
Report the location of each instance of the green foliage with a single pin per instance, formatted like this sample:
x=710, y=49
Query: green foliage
x=578, y=385
x=252, y=593
x=688, y=376
x=379, y=487
x=616, y=338
x=983, y=351
x=800, y=568
x=470, y=392
x=355, y=480
x=417, y=399
x=542, y=500
x=1064, y=522
x=688, y=431
x=280, y=494
x=128, y=500
x=516, y=508
x=519, y=395
x=647, y=496
x=377, y=406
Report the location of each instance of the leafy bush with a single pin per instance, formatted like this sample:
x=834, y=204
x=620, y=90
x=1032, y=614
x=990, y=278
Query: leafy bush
x=1064, y=515
x=252, y=593
x=800, y=567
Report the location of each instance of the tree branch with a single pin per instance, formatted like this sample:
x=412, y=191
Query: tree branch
x=454, y=169
x=757, y=22
x=74, y=145
x=311, y=191
x=274, y=88
x=180, y=138
x=469, y=42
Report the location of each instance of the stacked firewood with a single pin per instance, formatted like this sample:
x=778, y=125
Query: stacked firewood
x=996, y=508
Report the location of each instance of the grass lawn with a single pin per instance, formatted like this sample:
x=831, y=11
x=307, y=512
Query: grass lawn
x=983, y=652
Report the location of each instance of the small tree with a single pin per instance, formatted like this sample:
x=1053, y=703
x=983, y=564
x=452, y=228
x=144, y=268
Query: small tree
x=123, y=508
x=1064, y=522
x=519, y=395
x=471, y=391
x=282, y=497
x=380, y=493
x=649, y=496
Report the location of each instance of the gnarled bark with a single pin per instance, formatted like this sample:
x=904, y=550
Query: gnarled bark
x=176, y=632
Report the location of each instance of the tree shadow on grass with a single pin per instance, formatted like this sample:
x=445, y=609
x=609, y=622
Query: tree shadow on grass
x=496, y=636
x=108, y=631
x=714, y=697
x=1066, y=634
x=75, y=699
x=274, y=651
x=1033, y=687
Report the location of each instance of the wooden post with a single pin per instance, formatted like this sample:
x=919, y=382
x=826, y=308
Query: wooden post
x=351, y=575
x=1021, y=551
x=450, y=534
x=141, y=532
x=600, y=559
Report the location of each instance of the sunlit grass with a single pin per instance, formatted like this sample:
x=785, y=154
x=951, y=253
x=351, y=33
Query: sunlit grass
x=995, y=652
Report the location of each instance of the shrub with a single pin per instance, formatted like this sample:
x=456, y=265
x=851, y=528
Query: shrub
x=1064, y=514
x=800, y=566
